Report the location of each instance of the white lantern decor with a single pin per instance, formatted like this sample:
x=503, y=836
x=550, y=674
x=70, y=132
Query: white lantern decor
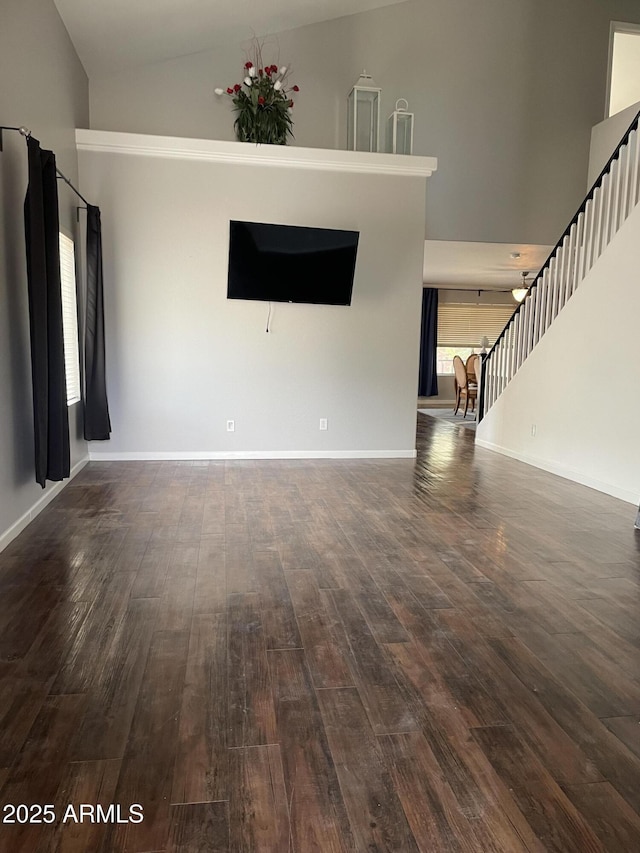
x=363, y=120
x=400, y=129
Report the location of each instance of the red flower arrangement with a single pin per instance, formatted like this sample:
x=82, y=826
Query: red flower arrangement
x=262, y=102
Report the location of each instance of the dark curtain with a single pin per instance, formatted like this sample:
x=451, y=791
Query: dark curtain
x=97, y=425
x=428, y=379
x=50, y=415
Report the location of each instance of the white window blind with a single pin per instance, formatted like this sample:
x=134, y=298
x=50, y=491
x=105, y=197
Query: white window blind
x=464, y=325
x=70, y=318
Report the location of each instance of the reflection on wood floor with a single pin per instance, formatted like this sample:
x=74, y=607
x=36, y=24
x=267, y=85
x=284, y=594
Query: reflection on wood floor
x=396, y=655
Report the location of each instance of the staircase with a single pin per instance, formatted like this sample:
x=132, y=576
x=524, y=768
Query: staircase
x=608, y=204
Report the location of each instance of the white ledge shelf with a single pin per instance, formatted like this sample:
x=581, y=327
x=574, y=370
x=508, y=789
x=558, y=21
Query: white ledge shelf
x=220, y=151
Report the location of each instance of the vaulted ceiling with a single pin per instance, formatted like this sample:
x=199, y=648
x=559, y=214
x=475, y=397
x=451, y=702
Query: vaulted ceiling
x=110, y=35
x=113, y=34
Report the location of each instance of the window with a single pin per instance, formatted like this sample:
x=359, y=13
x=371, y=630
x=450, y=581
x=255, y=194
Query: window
x=624, y=67
x=70, y=319
x=462, y=326
x=445, y=356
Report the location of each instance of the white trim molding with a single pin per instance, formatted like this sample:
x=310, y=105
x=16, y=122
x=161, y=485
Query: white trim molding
x=190, y=455
x=215, y=150
x=26, y=518
x=562, y=471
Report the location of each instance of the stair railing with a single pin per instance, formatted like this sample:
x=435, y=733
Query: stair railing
x=607, y=205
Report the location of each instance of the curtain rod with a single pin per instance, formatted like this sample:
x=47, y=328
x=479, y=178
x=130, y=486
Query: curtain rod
x=24, y=131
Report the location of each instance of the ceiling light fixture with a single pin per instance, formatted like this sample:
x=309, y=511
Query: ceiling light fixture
x=519, y=293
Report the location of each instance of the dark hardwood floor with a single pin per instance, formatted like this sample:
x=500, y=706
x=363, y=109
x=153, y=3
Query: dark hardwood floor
x=439, y=655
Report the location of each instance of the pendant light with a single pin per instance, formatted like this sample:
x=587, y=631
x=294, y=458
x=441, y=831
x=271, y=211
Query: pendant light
x=519, y=293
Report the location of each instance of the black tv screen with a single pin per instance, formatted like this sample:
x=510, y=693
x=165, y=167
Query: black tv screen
x=289, y=263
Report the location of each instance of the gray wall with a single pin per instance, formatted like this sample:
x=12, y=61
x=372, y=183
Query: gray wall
x=505, y=94
x=183, y=359
x=43, y=87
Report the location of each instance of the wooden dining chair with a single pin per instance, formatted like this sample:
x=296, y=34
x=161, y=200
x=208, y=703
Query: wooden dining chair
x=470, y=366
x=463, y=386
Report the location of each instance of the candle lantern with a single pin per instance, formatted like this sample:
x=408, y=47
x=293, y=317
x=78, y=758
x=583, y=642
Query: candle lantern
x=400, y=129
x=363, y=120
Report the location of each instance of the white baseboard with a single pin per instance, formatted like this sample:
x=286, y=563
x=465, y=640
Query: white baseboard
x=565, y=472
x=156, y=456
x=49, y=494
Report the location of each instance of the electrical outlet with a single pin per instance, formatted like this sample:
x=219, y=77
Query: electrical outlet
x=231, y=426
x=534, y=429
x=323, y=423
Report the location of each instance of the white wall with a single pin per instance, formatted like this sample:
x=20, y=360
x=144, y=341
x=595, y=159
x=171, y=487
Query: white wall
x=605, y=138
x=182, y=359
x=579, y=385
x=504, y=93
x=42, y=87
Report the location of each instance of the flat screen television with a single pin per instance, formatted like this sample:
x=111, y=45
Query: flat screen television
x=289, y=263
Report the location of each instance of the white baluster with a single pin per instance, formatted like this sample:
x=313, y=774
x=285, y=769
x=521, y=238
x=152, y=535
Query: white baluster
x=521, y=337
x=595, y=201
x=511, y=356
x=501, y=367
x=486, y=369
x=591, y=216
x=586, y=231
x=520, y=343
x=507, y=354
x=496, y=372
x=528, y=345
x=571, y=259
x=616, y=179
x=546, y=302
x=522, y=346
x=548, y=311
x=516, y=342
x=567, y=261
x=492, y=378
x=635, y=170
x=538, y=314
x=505, y=361
x=522, y=334
x=553, y=289
x=559, y=278
x=608, y=212
x=625, y=203
x=531, y=340
x=579, y=252
x=597, y=231
x=488, y=387
x=543, y=299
